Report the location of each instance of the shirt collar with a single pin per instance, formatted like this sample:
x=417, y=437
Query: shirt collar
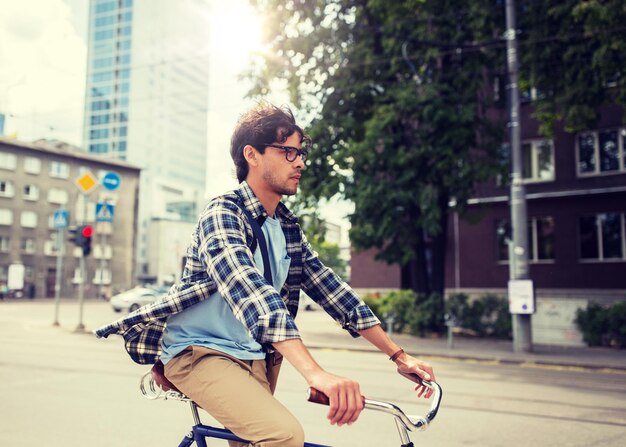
x=252, y=204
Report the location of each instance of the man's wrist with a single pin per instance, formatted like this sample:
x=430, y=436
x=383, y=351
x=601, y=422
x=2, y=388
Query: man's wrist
x=396, y=355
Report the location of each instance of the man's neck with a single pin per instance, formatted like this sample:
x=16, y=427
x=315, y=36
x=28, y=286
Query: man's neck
x=268, y=198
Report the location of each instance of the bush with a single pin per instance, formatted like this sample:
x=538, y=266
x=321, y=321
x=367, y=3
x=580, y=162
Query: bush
x=487, y=316
x=603, y=325
x=421, y=315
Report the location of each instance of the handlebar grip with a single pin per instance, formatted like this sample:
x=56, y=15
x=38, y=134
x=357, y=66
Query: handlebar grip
x=411, y=376
x=316, y=396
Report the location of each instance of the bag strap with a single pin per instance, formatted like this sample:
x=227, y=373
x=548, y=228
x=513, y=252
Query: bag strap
x=260, y=237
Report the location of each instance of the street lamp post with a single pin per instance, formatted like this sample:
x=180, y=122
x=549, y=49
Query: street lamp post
x=522, y=335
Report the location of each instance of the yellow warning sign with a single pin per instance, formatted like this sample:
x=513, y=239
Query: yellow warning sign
x=87, y=182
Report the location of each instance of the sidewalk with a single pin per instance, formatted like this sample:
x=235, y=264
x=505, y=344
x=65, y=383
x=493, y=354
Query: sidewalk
x=319, y=331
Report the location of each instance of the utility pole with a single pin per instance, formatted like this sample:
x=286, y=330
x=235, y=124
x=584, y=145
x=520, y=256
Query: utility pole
x=58, y=275
x=522, y=335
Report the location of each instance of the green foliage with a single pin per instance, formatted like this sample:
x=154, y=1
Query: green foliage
x=315, y=229
x=603, y=325
x=487, y=316
x=572, y=51
x=329, y=254
x=398, y=136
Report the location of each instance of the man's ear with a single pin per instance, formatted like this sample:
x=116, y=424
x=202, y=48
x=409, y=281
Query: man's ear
x=251, y=155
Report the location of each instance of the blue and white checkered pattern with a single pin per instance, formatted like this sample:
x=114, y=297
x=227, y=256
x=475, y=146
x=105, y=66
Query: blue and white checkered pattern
x=219, y=260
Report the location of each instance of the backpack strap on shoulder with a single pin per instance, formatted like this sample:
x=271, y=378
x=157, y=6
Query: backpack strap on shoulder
x=260, y=238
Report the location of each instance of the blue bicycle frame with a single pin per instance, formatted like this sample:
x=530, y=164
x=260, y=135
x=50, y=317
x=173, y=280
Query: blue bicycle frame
x=154, y=385
x=200, y=432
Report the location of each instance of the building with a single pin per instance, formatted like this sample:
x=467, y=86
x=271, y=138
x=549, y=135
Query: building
x=576, y=207
x=146, y=103
x=39, y=179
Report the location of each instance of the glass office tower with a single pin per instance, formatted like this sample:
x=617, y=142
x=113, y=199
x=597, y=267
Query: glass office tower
x=146, y=103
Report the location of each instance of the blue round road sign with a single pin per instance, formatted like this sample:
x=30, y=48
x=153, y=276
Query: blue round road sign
x=111, y=180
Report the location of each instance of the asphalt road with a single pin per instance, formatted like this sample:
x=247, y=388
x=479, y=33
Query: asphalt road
x=63, y=388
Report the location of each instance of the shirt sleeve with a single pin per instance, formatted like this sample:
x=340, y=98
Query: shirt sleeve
x=229, y=262
x=337, y=298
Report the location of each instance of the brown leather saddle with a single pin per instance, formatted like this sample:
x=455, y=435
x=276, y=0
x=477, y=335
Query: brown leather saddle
x=158, y=375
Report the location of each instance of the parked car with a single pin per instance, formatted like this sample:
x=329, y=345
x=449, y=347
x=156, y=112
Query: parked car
x=133, y=299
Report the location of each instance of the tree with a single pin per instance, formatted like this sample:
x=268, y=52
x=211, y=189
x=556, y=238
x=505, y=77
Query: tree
x=574, y=53
x=397, y=97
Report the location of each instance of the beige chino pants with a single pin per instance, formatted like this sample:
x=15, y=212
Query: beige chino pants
x=238, y=394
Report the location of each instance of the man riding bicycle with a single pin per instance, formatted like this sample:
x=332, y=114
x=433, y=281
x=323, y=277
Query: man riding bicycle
x=223, y=330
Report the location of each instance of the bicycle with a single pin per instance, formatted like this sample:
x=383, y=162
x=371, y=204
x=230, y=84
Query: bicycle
x=154, y=385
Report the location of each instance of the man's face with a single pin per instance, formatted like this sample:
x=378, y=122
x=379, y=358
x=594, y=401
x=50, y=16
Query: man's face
x=279, y=174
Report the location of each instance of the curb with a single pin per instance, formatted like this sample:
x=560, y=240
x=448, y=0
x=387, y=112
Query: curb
x=523, y=363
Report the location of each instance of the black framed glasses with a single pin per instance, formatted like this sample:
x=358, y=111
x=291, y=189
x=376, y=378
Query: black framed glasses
x=291, y=153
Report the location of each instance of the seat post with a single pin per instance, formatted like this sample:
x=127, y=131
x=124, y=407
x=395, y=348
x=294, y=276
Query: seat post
x=194, y=412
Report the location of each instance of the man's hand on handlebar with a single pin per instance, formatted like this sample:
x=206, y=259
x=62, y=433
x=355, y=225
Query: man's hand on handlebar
x=409, y=365
x=346, y=402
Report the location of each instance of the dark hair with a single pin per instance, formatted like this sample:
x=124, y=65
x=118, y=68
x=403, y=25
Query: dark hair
x=263, y=124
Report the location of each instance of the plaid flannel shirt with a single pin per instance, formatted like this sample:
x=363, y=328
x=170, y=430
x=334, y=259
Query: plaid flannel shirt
x=219, y=260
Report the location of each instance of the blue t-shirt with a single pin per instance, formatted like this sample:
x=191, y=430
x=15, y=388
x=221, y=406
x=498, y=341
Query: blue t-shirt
x=212, y=324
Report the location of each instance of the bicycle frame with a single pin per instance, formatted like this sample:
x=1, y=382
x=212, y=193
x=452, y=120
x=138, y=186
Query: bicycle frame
x=154, y=385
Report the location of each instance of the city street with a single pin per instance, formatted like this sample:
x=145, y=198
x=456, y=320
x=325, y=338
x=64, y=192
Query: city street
x=65, y=388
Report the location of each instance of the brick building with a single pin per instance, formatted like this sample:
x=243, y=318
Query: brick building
x=576, y=206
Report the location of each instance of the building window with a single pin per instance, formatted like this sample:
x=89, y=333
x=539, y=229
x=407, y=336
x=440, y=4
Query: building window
x=602, y=236
x=5, y=244
x=6, y=216
x=100, y=253
x=540, y=239
x=99, y=119
x=538, y=160
x=32, y=165
x=98, y=133
x=58, y=169
x=31, y=192
x=28, y=245
x=102, y=276
x=8, y=161
x=58, y=196
x=50, y=247
x=7, y=189
x=601, y=152
x=28, y=219
x=77, y=276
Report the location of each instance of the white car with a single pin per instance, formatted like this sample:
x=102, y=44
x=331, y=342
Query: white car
x=133, y=299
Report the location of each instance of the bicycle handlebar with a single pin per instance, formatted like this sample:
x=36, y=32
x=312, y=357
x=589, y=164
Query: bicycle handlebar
x=421, y=423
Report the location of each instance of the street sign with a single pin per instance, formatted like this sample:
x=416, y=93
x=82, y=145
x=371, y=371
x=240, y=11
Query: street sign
x=521, y=296
x=87, y=182
x=111, y=180
x=104, y=212
x=61, y=219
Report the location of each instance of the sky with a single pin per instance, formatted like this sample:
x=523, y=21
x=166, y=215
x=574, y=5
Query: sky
x=43, y=53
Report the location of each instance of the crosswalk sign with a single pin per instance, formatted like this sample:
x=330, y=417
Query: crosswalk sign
x=61, y=218
x=104, y=212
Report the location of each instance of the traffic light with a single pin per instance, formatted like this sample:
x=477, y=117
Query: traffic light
x=86, y=233
x=81, y=237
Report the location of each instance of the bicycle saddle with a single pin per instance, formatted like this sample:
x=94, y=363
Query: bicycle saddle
x=158, y=375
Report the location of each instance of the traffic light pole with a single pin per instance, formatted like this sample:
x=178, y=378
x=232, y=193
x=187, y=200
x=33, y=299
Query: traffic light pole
x=81, y=264
x=522, y=335
x=59, y=276
x=81, y=294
